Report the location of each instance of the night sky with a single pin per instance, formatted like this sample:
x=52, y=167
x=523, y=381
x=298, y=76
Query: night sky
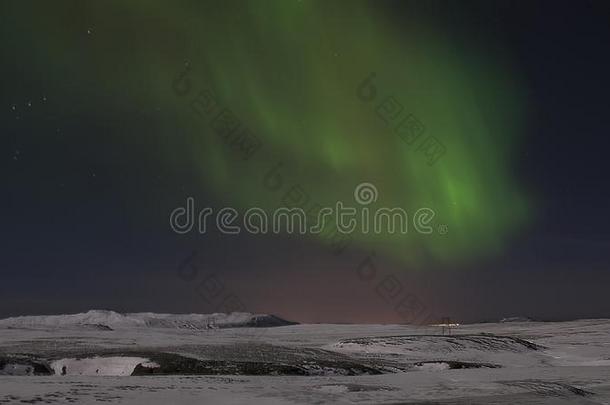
x=106, y=130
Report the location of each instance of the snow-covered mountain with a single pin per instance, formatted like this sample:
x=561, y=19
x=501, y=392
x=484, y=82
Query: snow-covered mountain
x=104, y=319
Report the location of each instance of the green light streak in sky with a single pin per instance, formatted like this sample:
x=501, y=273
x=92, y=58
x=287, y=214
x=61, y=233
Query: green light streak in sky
x=290, y=70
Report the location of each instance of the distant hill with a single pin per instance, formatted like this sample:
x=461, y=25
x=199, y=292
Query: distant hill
x=108, y=320
x=516, y=319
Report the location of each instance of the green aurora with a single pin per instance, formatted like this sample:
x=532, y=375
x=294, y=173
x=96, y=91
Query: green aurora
x=290, y=71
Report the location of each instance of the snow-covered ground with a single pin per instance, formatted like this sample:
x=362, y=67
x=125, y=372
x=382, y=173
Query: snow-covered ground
x=102, y=356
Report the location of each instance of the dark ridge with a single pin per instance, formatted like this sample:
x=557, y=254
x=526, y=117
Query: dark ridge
x=174, y=364
x=98, y=326
x=23, y=365
x=457, y=365
x=486, y=340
